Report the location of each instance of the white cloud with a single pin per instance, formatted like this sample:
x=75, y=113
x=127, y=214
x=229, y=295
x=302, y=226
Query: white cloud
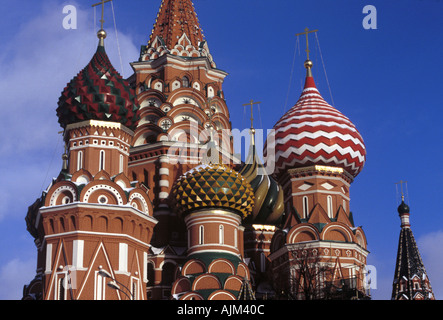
x=36, y=65
x=13, y=276
x=430, y=247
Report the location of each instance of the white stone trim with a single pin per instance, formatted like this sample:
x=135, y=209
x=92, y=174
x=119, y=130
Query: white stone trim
x=163, y=183
x=138, y=196
x=77, y=253
x=96, y=206
x=58, y=191
x=163, y=195
x=114, y=191
x=320, y=191
x=120, y=235
x=123, y=257
x=48, y=264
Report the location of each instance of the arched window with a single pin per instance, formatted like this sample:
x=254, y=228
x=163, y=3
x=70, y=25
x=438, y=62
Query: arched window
x=102, y=161
x=135, y=287
x=201, y=235
x=185, y=82
x=168, y=274
x=100, y=286
x=330, y=208
x=210, y=92
x=221, y=234
x=62, y=288
x=121, y=163
x=79, y=160
x=305, y=207
x=235, y=237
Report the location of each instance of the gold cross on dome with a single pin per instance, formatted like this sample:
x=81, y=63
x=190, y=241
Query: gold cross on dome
x=102, y=3
x=307, y=31
x=251, y=103
x=401, y=182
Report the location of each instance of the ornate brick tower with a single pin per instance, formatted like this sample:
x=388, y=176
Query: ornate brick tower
x=93, y=225
x=181, y=100
x=213, y=200
x=152, y=201
x=411, y=281
x=318, y=153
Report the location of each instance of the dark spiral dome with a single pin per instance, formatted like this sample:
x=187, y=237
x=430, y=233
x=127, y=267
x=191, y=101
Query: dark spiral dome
x=99, y=92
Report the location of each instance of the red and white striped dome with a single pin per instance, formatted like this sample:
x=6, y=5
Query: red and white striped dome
x=313, y=132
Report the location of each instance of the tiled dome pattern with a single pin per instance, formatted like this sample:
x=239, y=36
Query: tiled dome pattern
x=213, y=186
x=98, y=92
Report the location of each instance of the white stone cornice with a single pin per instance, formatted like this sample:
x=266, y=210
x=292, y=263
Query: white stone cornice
x=99, y=123
x=93, y=233
x=108, y=207
x=170, y=60
x=319, y=244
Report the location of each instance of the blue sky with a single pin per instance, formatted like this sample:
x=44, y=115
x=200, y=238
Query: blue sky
x=388, y=81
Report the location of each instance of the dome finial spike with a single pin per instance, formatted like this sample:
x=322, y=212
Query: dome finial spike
x=308, y=62
x=252, y=130
x=401, y=182
x=308, y=66
x=101, y=34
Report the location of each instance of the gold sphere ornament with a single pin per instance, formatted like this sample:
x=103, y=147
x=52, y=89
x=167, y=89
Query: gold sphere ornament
x=308, y=64
x=101, y=34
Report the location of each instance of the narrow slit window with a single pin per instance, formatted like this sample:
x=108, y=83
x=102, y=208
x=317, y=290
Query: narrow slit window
x=102, y=160
x=121, y=163
x=305, y=207
x=79, y=160
x=330, y=208
x=221, y=234
x=201, y=235
x=61, y=288
x=185, y=82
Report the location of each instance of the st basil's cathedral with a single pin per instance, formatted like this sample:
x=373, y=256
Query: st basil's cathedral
x=151, y=202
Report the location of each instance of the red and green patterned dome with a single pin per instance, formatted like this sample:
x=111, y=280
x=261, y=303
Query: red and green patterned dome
x=98, y=92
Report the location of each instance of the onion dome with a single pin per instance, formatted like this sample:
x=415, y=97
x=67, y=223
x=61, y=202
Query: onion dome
x=403, y=207
x=213, y=186
x=98, y=92
x=313, y=132
x=269, y=201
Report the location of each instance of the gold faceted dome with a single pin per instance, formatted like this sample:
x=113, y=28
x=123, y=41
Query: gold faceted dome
x=213, y=186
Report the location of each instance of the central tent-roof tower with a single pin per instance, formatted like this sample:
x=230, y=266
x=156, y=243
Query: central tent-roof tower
x=174, y=19
x=177, y=31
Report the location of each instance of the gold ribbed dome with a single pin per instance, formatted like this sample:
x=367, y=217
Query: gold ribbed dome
x=269, y=201
x=213, y=186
